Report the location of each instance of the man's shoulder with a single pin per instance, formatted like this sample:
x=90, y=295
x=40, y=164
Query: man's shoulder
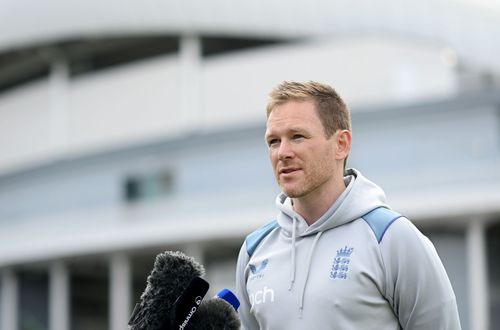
x=253, y=239
x=380, y=219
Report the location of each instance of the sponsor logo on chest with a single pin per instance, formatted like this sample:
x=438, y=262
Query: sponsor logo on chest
x=257, y=270
x=265, y=295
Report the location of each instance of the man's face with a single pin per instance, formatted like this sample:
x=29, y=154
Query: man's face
x=303, y=159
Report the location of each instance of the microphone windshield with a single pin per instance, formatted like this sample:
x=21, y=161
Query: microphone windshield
x=215, y=314
x=171, y=275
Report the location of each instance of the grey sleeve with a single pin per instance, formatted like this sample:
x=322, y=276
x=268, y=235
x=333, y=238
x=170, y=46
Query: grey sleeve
x=417, y=285
x=247, y=320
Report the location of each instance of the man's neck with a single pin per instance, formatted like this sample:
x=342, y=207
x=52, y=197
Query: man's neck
x=316, y=203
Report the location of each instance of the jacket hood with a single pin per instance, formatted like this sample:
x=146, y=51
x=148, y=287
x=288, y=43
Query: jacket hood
x=360, y=197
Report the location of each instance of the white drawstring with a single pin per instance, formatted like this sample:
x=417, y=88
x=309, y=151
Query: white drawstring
x=294, y=266
x=292, y=270
x=311, y=251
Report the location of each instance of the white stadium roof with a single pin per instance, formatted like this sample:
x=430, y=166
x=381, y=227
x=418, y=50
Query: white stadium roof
x=470, y=30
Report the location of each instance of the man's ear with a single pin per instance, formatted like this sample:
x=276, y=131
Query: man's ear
x=343, y=142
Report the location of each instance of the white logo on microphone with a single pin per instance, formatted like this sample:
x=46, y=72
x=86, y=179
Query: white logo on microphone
x=197, y=301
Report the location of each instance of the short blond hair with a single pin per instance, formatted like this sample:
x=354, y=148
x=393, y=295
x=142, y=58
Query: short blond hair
x=330, y=107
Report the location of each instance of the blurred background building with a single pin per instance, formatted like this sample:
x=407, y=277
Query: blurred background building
x=131, y=127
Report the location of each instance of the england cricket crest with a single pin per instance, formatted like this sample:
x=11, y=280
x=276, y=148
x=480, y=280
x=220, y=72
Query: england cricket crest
x=341, y=262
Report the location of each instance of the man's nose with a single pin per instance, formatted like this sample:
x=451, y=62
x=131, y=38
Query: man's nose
x=285, y=150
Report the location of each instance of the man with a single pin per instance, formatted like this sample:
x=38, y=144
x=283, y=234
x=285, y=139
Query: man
x=336, y=257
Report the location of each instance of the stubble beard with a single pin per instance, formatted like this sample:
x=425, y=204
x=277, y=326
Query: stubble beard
x=309, y=184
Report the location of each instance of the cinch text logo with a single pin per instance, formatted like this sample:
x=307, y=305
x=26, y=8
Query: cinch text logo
x=262, y=296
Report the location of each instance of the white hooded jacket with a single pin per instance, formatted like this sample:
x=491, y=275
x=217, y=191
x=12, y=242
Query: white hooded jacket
x=360, y=266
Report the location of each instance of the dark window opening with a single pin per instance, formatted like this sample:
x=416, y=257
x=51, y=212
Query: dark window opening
x=219, y=45
x=34, y=296
x=147, y=187
x=493, y=257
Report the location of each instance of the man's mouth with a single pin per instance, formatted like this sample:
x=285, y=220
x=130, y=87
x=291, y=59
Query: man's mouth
x=288, y=170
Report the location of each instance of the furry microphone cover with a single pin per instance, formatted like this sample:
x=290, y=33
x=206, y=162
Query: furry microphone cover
x=215, y=314
x=171, y=274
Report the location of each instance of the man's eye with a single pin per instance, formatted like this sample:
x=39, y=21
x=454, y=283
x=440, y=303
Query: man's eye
x=272, y=142
x=297, y=136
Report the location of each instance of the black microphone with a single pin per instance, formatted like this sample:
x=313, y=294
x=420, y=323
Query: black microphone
x=188, y=302
x=173, y=299
x=217, y=314
x=171, y=281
